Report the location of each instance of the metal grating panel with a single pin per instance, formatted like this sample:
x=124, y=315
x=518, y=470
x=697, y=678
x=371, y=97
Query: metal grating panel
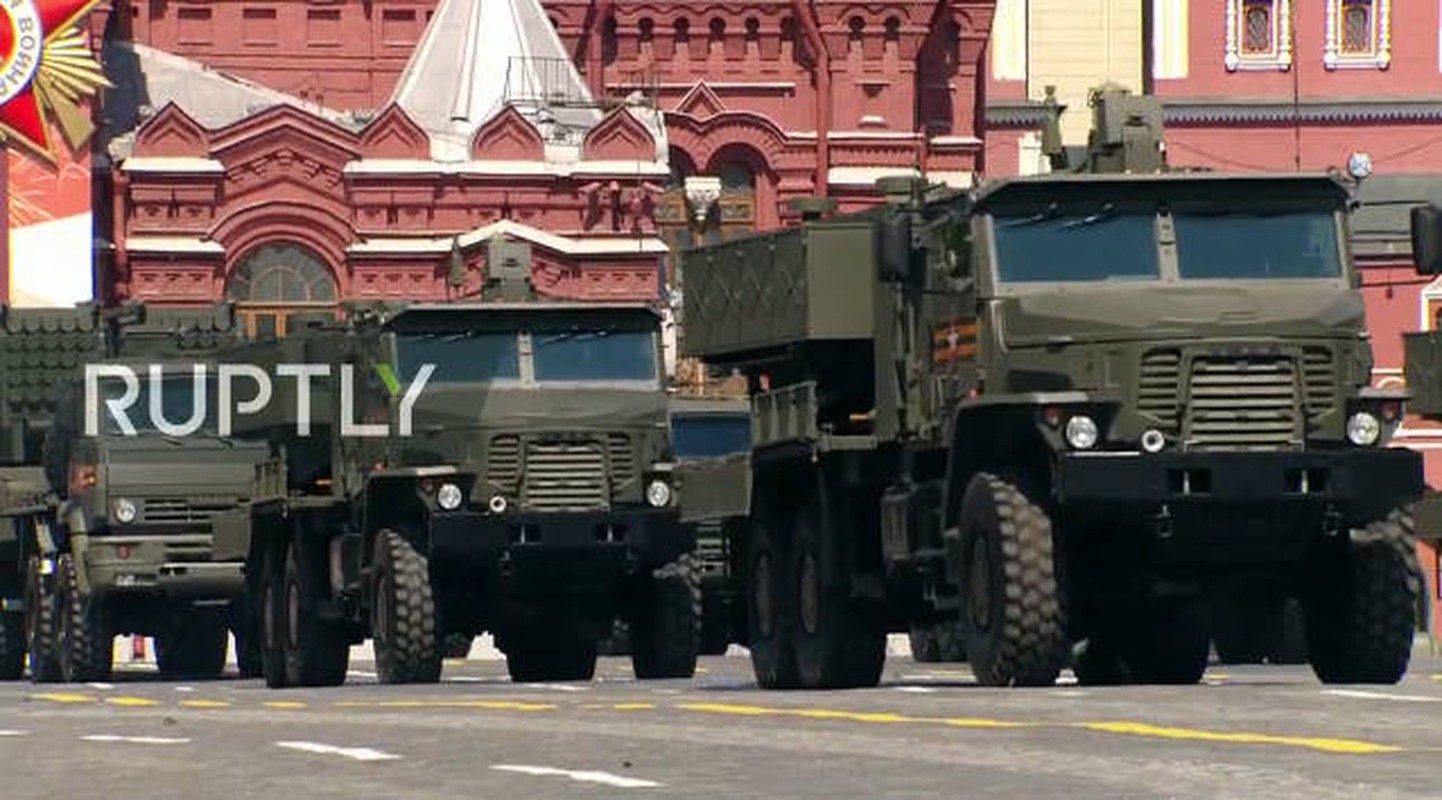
x=565, y=476
x=1319, y=378
x=503, y=461
x=1243, y=403
x=179, y=509
x=1159, y=386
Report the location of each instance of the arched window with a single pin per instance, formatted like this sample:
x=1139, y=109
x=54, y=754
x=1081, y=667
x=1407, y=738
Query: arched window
x=278, y=286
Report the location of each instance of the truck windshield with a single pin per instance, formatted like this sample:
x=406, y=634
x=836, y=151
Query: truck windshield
x=177, y=398
x=710, y=436
x=1054, y=248
x=1261, y=246
x=461, y=357
x=598, y=355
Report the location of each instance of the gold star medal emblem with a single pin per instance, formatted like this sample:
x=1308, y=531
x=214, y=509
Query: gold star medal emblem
x=47, y=71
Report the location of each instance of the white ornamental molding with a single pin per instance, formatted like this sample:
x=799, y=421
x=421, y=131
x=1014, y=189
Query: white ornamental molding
x=701, y=193
x=1280, y=56
x=1377, y=56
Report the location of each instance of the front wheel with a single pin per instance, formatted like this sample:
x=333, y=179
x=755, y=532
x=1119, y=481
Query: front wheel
x=1016, y=629
x=42, y=614
x=769, y=611
x=403, y=614
x=1361, y=611
x=85, y=641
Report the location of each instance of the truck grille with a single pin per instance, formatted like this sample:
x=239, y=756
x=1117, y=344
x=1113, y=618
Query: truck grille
x=1319, y=380
x=503, y=461
x=623, y=458
x=565, y=476
x=180, y=509
x=1243, y=403
x=1158, y=386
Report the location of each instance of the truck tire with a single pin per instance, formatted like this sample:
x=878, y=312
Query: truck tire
x=403, y=614
x=840, y=643
x=666, y=626
x=1168, y=644
x=12, y=646
x=85, y=644
x=271, y=596
x=316, y=654
x=192, y=645
x=550, y=653
x=1361, y=614
x=618, y=641
x=769, y=604
x=1016, y=630
x=938, y=642
x=41, y=625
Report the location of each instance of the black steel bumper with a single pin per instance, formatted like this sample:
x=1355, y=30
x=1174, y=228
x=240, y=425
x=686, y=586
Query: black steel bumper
x=1360, y=483
x=653, y=537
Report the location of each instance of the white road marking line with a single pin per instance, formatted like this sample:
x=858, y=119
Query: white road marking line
x=361, y=673
x=110, y=737
x=1361, y=695
x=101, y=686
x=1067, y=693
x=914, y=689
x=357, y=753
x=585, y=776
x=559, y=687
x=465, y=679
x=14, y=733
x=185, y=688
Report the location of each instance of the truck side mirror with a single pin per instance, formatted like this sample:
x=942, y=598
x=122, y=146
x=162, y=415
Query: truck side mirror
x=895, y=257
x=1427, y=239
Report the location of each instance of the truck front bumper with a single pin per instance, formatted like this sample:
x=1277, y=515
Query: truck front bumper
x=177, y=566
x=653, y=537
x=1359, y=484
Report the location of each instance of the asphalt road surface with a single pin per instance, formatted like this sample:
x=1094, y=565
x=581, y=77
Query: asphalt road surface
x=927, y=731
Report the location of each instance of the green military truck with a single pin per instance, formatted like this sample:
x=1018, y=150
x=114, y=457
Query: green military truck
x=114, y=536
x=1063, y=409
x=515, y=477
x=712, y=441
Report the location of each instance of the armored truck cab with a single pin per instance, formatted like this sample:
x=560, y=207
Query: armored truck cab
x=519, y=482
x=1062, y=409
x=1422, y=355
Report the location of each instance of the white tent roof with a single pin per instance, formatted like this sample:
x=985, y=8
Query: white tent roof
x=479, y=55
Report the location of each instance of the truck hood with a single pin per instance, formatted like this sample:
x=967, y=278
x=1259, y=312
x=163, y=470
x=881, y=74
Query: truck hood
x=1112, y=313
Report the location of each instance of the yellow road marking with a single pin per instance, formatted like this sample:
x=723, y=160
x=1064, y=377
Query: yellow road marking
x=1328, y=745
x=65, y=697
x=286, y=704
x=1221, y=676
x=491, y=705
x=131, y=701
x=633, y=706
x=1324, y=744
x=205, y=703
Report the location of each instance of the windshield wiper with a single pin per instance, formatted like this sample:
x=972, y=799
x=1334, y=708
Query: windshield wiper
x=1108, y=211
x=575, y=336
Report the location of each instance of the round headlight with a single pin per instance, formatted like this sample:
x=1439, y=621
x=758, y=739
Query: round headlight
x=1081, y=432
x=658, y=493
x=498, y=504
x=1153, y=441
x=1363, y=429
x=124, y=510
x=449, y=496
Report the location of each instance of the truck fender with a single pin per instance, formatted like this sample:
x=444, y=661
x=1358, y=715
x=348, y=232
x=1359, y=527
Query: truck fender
x=994, y=436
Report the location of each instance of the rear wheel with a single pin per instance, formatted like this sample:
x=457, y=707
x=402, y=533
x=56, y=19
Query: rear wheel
x=1169, y=643
x=272, y=615
x=840, y=642
x=666, y=626
x=934, y=642
x=316, y=654
x=12, y=646
x=41, y=623
x=403, y=614
x=1361, y=611
x=769, y=605
x=1016, y=629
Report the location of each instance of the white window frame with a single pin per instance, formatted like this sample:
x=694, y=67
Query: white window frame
x=1381, y=55
x=1281, y=56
